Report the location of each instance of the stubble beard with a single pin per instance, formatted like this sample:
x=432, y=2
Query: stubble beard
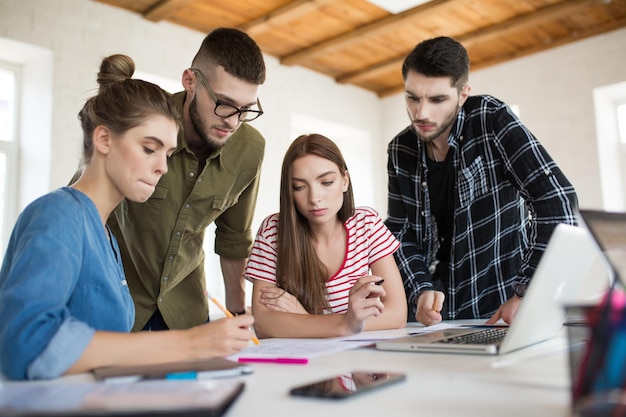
x=447, y=123
x=196, y=121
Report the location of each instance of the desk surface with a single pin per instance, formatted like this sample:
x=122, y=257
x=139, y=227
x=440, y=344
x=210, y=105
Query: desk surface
x=533, y=381
x=530, y=382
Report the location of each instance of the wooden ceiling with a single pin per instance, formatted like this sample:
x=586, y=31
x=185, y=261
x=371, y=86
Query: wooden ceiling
x=356, y=42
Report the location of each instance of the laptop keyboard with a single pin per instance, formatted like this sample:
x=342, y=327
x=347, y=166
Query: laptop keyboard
x=483, y=337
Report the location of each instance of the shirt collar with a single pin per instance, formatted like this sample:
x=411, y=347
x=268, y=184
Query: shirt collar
x=179, y=101
x=456, y=132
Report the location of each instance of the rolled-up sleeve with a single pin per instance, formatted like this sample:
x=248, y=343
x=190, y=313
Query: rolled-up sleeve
x=64, y=349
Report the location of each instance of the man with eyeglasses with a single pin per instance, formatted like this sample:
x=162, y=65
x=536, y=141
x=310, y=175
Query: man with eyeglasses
x=213, y=176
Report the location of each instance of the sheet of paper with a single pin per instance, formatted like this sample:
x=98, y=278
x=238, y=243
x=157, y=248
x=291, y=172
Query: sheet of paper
x=376, y=335
x=308, y=348
x=297, y=348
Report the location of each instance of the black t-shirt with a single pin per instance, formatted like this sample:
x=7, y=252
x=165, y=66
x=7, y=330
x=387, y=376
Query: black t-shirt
x=441, y=190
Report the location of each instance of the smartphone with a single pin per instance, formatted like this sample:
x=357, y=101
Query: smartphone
x=348, y=384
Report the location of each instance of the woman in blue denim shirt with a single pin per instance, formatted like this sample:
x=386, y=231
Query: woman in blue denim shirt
x=64, y=301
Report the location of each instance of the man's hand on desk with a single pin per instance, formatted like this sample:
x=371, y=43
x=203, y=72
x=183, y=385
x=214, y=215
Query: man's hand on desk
x=507, y=311
x=429, y=305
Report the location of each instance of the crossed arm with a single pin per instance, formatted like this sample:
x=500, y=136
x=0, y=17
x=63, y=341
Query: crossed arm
x=370, y=307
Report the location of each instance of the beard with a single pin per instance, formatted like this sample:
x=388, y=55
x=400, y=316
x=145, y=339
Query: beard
x=445, y=125
x=196, y=122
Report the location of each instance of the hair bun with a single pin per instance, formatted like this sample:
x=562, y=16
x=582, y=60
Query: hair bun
x=115, y=68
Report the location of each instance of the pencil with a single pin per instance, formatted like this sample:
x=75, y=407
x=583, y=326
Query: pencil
x=228, y=313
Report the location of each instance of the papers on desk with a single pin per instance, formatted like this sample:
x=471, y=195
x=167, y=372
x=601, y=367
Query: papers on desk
x=375, y=336
x=206, y=398
x=308, y=348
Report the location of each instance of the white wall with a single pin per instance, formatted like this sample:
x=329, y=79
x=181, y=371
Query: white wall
x=553, y=89
x=555, y=94
x=79, y=33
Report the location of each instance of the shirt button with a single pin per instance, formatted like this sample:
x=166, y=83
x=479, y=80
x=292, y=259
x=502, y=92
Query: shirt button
x=124, y=282
x=170, y=257
x=177, y=233
x=199, y=179
x=165, y=278
x=191, y=174
x=424, y=184
x=187, y=206
x=160, y=300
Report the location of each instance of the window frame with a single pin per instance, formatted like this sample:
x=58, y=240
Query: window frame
x=11, y=149
x=621, y=120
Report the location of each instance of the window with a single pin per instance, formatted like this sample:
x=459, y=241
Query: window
x=9, y=76
x=621, y=122
x=610, y=113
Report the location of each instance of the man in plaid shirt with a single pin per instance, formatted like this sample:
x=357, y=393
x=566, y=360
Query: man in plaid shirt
x=473, y=196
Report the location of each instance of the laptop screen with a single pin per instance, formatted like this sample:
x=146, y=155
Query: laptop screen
x=609, y=231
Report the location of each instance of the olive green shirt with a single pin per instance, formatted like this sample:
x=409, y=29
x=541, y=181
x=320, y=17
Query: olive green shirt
x=161, y=240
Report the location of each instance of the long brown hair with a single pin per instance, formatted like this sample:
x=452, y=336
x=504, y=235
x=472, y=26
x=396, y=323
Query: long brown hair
x=299, y=271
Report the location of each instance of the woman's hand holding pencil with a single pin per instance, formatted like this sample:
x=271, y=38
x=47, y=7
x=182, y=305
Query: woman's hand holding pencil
x=227, y=313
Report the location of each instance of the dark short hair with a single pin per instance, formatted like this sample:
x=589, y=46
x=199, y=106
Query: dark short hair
x=234, y=50
x=439, y=57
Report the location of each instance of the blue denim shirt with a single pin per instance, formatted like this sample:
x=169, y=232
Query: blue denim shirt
x=61, y=280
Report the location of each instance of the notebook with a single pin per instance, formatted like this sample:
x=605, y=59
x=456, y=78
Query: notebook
x=156, y=397
x=196, y=369
x=569, y=256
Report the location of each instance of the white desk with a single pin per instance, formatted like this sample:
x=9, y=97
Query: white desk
x=530, y=382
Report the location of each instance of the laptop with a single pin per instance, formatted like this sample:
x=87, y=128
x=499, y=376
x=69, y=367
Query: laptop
x=570, y=254
x=608, y=229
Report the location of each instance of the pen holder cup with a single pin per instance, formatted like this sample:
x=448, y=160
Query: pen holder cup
x=597, y=356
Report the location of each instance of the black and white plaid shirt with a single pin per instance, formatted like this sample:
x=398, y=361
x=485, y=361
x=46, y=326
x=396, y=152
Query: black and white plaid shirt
x=510, y=195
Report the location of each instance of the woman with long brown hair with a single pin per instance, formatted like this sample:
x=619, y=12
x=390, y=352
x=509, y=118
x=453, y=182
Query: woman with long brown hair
x=321, y=267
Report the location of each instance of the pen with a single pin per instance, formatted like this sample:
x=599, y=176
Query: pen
x=228, y=313
x=290, y=361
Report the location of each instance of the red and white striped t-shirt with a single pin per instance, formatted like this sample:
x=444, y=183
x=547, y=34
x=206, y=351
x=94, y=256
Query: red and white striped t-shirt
x=368, y=240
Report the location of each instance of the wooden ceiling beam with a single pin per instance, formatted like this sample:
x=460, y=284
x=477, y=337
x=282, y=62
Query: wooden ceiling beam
x=573, y=37
x=379, y=27
x=551, y=43
x=281, y=16
x=554, y=11
x=164, y=9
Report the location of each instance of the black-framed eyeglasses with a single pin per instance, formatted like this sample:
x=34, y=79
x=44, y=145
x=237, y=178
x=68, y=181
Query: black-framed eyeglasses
x=226, y=110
